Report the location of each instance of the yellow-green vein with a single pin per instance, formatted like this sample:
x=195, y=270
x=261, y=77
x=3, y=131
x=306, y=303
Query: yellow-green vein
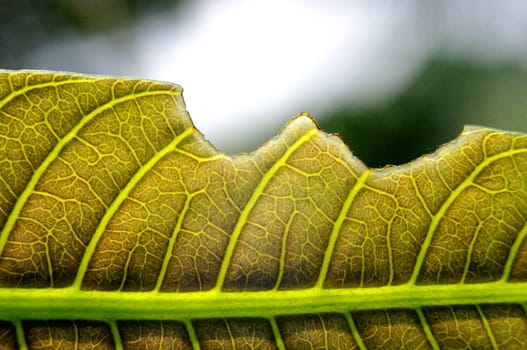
x=244, y=215
x=171, y=243
x=53, y=155
x=324, y=331
x=355, y=331
x=426, y=328
x=283, y=251
x=337, y=226
x=114, y=206
x=231, y=336
x=15, y=93
x=20, y=336
x=513, y=251
x=76, y=332
x=276, y=333
x=448, y=202
x=114, y=330
x=162, y=335
x=470, y=252
x=191, y=332
x=487, y=327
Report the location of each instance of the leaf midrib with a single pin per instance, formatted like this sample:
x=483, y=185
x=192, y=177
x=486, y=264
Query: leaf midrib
x=69, y=303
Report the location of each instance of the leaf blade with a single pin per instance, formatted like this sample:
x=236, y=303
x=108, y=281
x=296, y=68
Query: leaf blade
x=127, y=209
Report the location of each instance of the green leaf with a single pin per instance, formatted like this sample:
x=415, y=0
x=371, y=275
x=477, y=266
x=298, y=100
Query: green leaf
x=121, y=227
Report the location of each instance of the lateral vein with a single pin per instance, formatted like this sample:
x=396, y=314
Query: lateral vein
x=112, y=209
x=454, y=194
x=359, y=183
x=54, y=154
x=244, y=215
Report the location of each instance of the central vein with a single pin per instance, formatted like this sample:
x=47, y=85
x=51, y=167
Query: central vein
x=69, y=303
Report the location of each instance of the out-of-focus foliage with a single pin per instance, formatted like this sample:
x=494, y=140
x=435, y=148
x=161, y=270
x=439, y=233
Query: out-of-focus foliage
x=430, y=111
x=433, y=109
x=26, y=24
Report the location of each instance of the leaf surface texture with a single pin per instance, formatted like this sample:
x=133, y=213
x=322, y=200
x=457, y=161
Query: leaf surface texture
x=122, y=227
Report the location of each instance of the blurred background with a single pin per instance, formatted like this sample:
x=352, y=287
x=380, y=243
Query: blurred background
x=394, y=78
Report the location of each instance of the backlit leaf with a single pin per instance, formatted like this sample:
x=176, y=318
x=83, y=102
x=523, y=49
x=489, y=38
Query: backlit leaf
x=121, y=227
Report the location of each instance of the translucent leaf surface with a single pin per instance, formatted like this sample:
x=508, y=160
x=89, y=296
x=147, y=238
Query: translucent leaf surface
x=121, y=227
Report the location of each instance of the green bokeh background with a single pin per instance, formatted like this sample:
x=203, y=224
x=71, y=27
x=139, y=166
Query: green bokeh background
x=431, y=110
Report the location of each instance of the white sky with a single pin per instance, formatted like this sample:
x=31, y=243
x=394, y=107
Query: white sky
x=248, y=67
